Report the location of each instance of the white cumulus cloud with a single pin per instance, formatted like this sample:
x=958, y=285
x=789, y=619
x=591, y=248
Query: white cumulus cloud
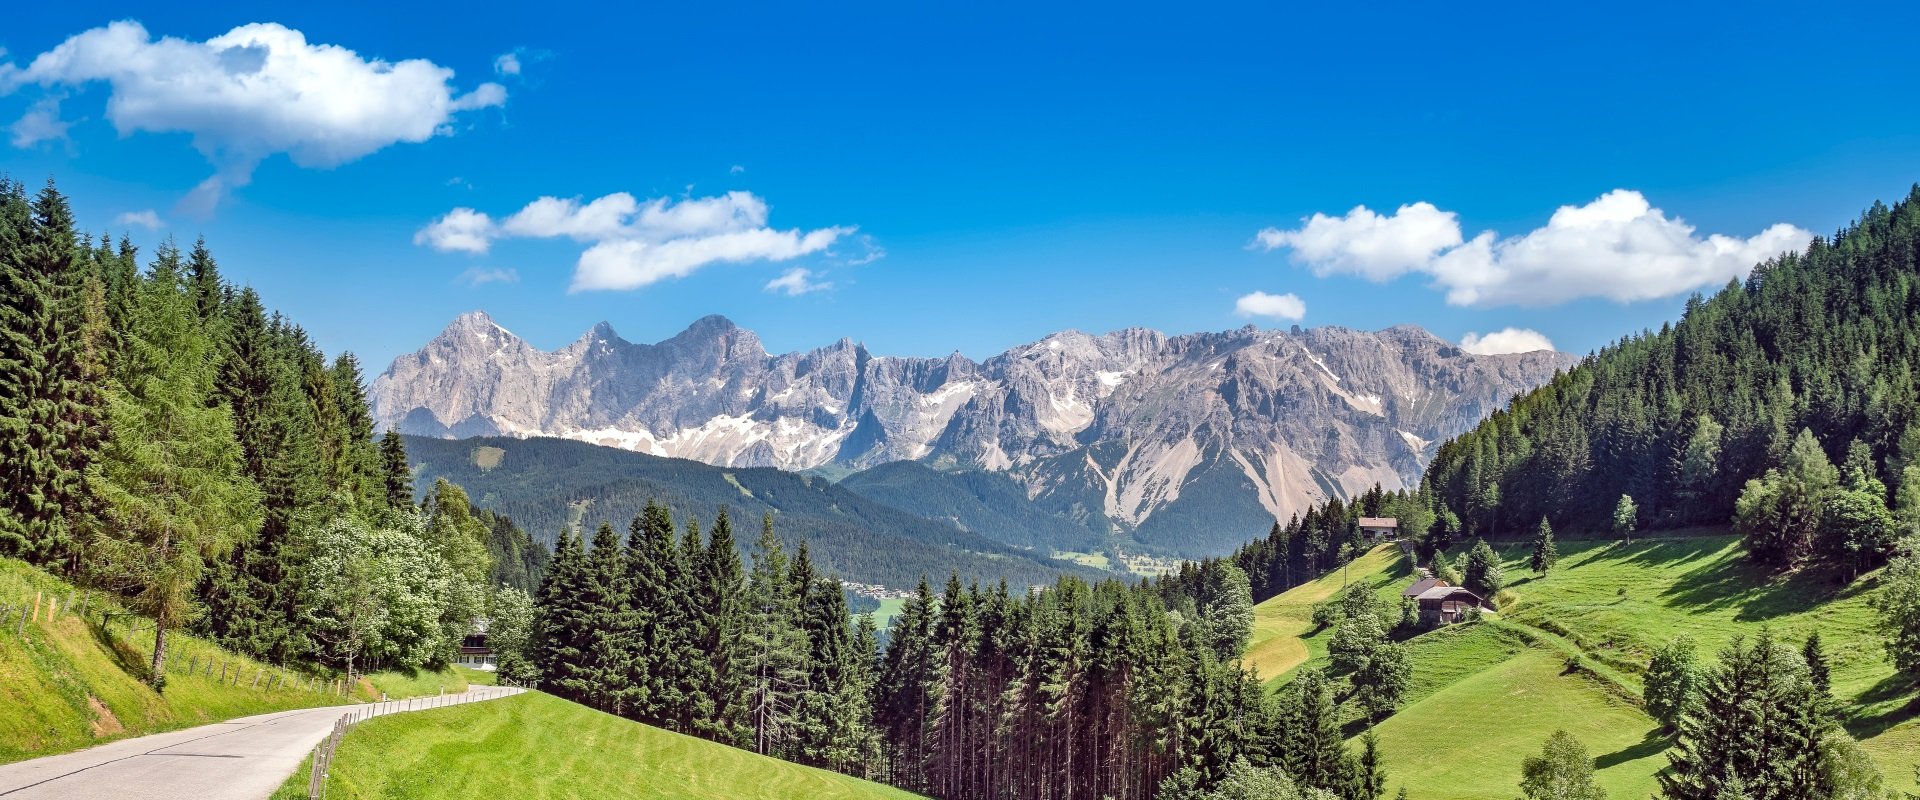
x=1365, y=243
x=637, y=243
x=797, y=281
x=507, y=64
x=1618, y=247
x=253, y=92
x=462, y=229
x=145, y=218
x=1280, y=306
x=1505, y=340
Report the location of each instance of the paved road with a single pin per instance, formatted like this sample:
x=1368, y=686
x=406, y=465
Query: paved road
x=242, y=759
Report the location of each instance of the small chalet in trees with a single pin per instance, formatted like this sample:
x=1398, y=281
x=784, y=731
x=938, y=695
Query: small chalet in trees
x=1379, y=529
x=475, y=653
x=1445, y=605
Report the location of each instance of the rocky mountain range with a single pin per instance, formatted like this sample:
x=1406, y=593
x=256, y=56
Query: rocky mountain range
x=1185, y=444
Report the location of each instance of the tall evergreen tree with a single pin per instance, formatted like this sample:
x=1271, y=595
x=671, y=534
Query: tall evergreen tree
x=773, y=648
x=171, y=475
x=51, y=409
x=720, y=592
x=396, y=473
x=1545, y=555
x=561, y=640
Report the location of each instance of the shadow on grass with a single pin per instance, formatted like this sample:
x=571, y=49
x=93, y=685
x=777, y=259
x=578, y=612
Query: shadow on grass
x=1757, y=593
x=1652, y=744
x=1893, y=687
x=124, y=654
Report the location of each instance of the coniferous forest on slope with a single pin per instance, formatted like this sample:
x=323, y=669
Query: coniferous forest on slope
x=166, y=437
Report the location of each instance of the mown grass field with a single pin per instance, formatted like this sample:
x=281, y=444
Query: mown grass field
x=400, y=684
x=70, y=683
x=537, y=746
x=1486, y=695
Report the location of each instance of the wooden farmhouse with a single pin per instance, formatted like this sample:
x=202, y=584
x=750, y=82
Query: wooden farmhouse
x=1379, y=529
x=1445, y=605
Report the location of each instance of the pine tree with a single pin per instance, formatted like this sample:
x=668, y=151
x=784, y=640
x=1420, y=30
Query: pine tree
x=397, y=475
x=606, y=606
x=773, y=649
x=721, y=591
x=1759, y=723
x=1817, y=672
x=561, y=643
x=51, y=411
x=1545, y=555
x=658, y=601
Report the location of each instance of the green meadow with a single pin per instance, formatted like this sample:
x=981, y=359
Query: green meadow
x=537, y=746
x=1567, y=651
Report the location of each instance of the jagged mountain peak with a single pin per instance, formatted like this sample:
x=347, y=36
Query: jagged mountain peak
x=1112, y=428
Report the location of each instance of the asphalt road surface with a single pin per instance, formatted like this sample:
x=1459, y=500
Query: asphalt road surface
x=241, y=759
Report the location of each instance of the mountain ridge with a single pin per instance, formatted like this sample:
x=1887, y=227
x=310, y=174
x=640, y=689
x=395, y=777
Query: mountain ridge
x=1109, y=430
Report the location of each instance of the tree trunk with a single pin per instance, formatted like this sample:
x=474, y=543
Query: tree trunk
x=158, y=677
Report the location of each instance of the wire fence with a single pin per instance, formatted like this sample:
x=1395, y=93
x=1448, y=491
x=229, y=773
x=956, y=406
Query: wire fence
x=46, y=608
x=321, y=764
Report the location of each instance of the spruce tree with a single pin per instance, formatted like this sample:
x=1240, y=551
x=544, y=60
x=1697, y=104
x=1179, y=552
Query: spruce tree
x=658, y=605
x=605, y=681
x=721, y=591
x=774, y=648
x=51, y=411
x=1545, y=555
x=561, y=636
x=1758, y=726
x=1816, y=658
x=396, y=474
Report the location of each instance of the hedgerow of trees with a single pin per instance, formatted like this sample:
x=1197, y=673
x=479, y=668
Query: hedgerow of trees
x=164, y=436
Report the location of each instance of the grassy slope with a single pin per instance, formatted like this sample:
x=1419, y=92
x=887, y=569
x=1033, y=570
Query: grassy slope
x=1484, y=696
x=536, y=746
x=70, y=684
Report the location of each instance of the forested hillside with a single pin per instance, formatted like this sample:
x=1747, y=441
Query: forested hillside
x=1679, y=420
x=550, y=484
x=1074, y=692
x=166, y=437
x=990, y=504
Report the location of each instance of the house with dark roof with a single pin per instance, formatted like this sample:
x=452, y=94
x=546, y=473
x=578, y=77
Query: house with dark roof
x=1422, y=585
x=1445, y=605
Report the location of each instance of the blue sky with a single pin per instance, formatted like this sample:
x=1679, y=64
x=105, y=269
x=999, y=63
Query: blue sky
x=1003, y=170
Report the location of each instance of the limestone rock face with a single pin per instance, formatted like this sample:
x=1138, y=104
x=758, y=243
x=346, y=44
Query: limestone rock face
x=1111, y=430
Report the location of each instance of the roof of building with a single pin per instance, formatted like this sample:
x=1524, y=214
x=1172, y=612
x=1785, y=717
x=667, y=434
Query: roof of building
x=1379, y=522
x=1447, y=592
x=1422, y=585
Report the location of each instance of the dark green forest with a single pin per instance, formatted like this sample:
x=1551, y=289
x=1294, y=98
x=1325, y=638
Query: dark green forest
x=1680, y=419
x=549, y=484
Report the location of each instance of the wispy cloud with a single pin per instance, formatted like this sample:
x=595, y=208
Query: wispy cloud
x=481, y=276
x=145, y=218
x=796, y=282
x=637, y=243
